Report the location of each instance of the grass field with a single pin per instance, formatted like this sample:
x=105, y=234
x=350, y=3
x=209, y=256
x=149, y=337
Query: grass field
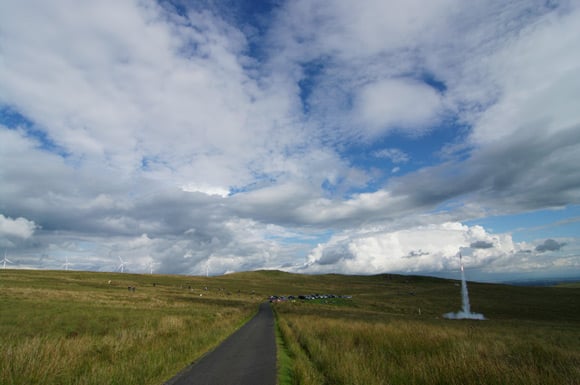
x=76, y=328
x=392, y=332
x=60, y=327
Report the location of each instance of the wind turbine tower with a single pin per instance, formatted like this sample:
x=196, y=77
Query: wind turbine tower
x=5, y=260
x=122, y=265
x=66, y=264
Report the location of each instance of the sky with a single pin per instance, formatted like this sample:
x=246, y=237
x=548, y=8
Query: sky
x=311, y=136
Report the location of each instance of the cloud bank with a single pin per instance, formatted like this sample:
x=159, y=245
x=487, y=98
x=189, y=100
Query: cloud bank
x=302, y=135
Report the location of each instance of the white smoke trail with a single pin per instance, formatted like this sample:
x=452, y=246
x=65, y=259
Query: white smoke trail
x=464, y=293
x=465, y=312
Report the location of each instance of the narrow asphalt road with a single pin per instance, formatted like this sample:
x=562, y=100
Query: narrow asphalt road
x=247, y=357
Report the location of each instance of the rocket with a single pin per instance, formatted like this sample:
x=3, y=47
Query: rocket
x=461, y=262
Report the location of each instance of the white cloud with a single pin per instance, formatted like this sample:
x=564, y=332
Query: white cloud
x=19, y=227
x=370, y=252
x=538, y=78
x=371, y=28
x=394, y=154
x=188, y=136
x=398, y=104
x=431, y=248
x=206, y=189
x=149, y=88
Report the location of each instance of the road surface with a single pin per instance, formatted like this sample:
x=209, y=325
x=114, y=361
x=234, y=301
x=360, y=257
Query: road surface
x=247, y=357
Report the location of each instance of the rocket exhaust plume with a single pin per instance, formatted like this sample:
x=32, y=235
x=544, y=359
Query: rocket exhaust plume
x=465, y=312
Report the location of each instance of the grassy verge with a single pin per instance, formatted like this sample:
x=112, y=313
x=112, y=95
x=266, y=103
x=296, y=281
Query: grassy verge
x=283, y=359
x=301, y=369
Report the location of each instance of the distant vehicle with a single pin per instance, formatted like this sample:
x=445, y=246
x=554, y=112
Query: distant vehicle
x=306, y=297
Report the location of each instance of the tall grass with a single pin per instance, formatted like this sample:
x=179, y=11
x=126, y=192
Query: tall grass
x=146, y=354
x=301, y=370
x=381, y=337
x=413, y=352
x=78, y=329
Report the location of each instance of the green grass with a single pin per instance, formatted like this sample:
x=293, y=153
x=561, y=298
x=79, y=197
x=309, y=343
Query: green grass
x=284, y=362
x=76, y=328
x=393, y=333
x=418, y=352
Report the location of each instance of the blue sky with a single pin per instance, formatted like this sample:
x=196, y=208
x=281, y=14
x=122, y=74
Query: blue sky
x=532, y=225
x=310, y=136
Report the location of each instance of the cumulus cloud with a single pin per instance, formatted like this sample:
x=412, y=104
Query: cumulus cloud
x=397, y=104
x=434, y=249
x=19, y=227
x=425, y=248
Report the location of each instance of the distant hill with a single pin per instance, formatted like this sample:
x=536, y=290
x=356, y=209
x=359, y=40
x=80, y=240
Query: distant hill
x=573, y=282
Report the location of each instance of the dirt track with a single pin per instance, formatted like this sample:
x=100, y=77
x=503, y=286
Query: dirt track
x=247, y=357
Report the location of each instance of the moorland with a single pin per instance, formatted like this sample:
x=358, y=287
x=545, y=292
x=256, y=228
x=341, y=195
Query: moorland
x=69, y=327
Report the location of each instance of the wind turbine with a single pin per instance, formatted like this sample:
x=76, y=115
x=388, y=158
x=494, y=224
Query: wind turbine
x=150, y=266
x=5, y=260
x=66, y=264
x=122, y=265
